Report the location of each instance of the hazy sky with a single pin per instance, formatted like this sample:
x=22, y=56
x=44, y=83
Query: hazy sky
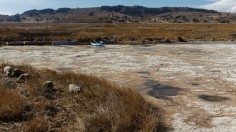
x=11, y=7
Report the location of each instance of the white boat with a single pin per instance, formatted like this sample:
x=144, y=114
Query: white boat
x=97, y=43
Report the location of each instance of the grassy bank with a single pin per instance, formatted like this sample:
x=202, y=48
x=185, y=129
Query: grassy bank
x=99, y=106
x=121, y=33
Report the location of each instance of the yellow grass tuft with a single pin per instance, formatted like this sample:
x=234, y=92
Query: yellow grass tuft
x=11, y=105
x=200, y=118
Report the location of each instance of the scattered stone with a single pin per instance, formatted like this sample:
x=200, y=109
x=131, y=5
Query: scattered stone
x=48, y=86
x=73, y=88
x=7, y=70
x=17, y=72
x=23, y=76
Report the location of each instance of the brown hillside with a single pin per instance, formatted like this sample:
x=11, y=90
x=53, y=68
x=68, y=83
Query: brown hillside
x=122, y=14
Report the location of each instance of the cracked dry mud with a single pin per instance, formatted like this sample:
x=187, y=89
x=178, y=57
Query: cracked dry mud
x=188, y=80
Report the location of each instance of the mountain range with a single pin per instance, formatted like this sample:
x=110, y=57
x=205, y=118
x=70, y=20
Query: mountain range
x=121, y=14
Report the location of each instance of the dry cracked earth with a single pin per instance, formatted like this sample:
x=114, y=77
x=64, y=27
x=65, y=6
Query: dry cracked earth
x=195, y=83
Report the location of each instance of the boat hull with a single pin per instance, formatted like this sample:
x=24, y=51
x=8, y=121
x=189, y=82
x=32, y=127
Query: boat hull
x=96, y=44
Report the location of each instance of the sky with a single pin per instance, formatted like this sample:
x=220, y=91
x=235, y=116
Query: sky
x=11, y=7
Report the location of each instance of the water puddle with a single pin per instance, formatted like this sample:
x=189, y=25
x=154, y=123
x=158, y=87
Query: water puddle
x=143, y=73
x=144, y=49
x=161, y=91
x=63, y=69
x=193, y=51
x=213, y=98
x=82, y=55
x=195, y=84
x=146, y=45
x=62, y=54
x=216, y=71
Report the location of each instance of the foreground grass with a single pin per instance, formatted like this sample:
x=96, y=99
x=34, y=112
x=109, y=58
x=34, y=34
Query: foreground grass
x=100, y=106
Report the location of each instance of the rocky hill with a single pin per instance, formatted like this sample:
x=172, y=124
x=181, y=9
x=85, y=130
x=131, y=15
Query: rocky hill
x=122, y=14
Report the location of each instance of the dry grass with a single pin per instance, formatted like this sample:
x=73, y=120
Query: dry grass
x=11, y=105
x=122, y=33
x=100, y=106
x=36, y=125
x=200, y=118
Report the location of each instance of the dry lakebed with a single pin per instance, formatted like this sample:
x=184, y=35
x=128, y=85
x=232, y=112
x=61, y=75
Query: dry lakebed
x=194, y=83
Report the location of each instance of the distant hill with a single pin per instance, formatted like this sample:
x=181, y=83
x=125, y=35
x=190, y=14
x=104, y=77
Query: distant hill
x=122, y=14
x=144, y=11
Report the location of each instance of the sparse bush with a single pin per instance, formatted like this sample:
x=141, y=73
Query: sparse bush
x=180, y=39
x=91, y=14
x=166, y=40
x=98, y=39
x=224, y=21
x=196, y=20
x=200, y=118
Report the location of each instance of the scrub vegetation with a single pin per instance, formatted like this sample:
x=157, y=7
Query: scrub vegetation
x=119, y=33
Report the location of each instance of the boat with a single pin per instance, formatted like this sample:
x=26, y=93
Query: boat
x=97, y=43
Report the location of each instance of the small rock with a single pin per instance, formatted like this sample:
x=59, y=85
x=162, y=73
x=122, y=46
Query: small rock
x=48, y=86
x=23, y=76
x=7, y=70
x=73, y=88
x=17, y=72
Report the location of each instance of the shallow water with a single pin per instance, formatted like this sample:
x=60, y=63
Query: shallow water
x=161, y=91
x=213, y=98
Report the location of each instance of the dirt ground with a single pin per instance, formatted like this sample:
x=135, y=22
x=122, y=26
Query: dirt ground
x=194, y=82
